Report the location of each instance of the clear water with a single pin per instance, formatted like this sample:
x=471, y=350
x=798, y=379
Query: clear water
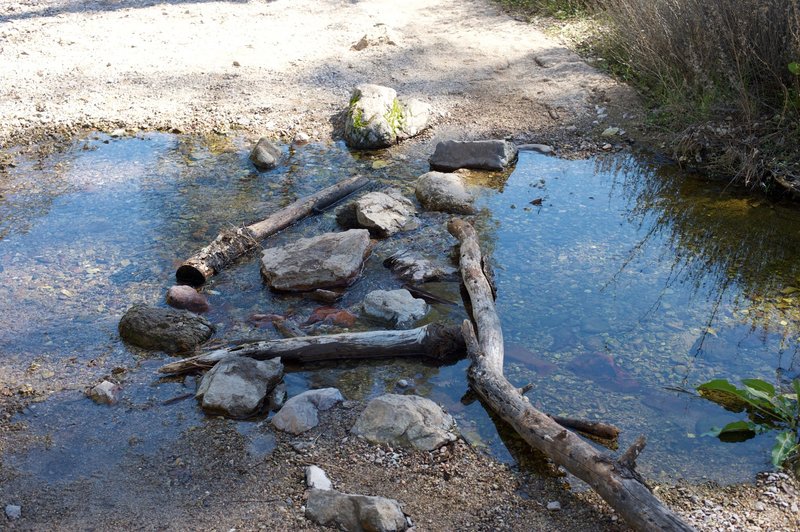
x=627, y=281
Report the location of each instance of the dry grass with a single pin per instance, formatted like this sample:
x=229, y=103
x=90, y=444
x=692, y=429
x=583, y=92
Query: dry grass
x=716, y=70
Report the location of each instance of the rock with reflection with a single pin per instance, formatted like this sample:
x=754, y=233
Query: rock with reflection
x=187, y=298
x=237, y=386
x=493, y=155
x=324, y=261
x=438, y=191
x=385, y=213
x=265, y=155
x=170, y=330
x=413, y=267
x=398, y=307
x=405, y=421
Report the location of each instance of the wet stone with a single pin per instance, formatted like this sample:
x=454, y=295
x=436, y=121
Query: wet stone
x=237, y=386
x=187, y=298
x=398, y=307
x=105, y=393
x=173, y=331
x=493, y=155
x=324, y=261
x=412, y=267
x=384, y=213
x=437, y=191
x=265, y=155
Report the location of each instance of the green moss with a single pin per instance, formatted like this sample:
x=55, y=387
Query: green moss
x=358, y=119
x=395, y=116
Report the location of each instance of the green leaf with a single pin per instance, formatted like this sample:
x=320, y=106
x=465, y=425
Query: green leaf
x=758, y=384
x=794, y=68
x=796, y=386
x=784, y=447
x=738, y=426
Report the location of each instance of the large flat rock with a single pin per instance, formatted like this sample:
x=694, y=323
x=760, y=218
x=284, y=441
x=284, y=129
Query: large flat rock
x=477, y=154
x=324, y=261
x=355, y=513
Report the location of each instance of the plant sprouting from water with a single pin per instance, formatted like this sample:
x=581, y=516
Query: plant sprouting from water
x=767, y=409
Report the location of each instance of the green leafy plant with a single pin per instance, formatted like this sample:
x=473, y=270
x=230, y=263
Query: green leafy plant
x=767, y=409
x=394, y=116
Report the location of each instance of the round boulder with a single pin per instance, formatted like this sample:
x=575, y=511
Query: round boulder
x=170, y=330
x=405, y=421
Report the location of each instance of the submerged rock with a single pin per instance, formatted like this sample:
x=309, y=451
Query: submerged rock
x=354, y=512
x=377, y=118
x=173, y=331
x=384, y=213
x=325, y=261
x=437, y=191
x=301, y=412
x=477, y=154
x=237, y=386
x=411, y=267
x=187, y=298
x=265, y=155
x=105, y=393
x=395, y=306
x=405, y=421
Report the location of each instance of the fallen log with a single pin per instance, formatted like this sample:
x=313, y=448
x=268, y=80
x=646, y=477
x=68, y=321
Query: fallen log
x=231, y=244
x=433, y=341
x=616, y=481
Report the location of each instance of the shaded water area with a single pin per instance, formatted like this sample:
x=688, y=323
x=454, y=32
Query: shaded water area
x=625, y=281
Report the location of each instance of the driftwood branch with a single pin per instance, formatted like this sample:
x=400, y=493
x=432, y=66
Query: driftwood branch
x=433, y=341
x=232, y=244
x=615, y=481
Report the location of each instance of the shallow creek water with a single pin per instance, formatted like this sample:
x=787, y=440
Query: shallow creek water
x=618, y=281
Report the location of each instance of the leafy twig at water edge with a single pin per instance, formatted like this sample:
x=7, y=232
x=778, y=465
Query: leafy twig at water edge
x=767, y=408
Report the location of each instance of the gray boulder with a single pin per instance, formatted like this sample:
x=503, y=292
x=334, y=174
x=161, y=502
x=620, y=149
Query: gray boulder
x=412, y=267
x=478, y=154
x=377, y=118
x=325, y=261
x=173, y=331
x=301, y=412
x=188, y=298
x=437, y=191
x=265, y=155
x=405, y=421
x=355, y=513
x=237, y=386
x=395, y=306
x=384, y=213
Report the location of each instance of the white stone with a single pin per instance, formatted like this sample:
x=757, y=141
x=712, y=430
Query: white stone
x=553, y=506
x=316, y=478
x=13, y=511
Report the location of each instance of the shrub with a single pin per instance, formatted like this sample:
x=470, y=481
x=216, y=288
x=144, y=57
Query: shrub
x=720, y=61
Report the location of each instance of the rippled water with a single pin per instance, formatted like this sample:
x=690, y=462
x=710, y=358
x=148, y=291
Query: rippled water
x=618, y=281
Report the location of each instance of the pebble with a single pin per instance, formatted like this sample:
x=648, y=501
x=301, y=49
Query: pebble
x=554, y=506
x=403, y=383
x=13, y=511
x=760, y=506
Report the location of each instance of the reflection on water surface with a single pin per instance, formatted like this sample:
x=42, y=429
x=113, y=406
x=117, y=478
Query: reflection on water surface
x=618, y=282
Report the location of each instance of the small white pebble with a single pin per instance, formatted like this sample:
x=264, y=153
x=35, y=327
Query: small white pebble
x=554, y=506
